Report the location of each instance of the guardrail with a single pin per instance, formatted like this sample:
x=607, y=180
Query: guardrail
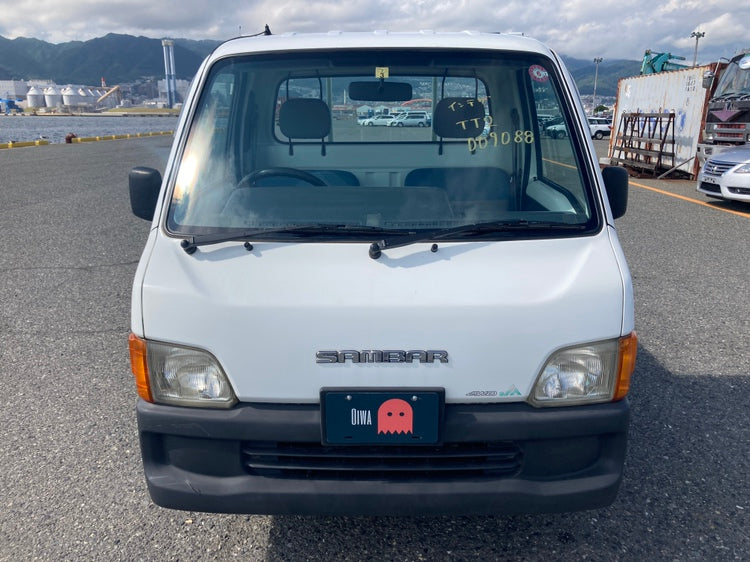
x=42, y=142
x=23, y=144
x=118, y=137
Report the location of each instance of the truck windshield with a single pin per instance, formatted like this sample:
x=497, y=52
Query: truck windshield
x=397, y=141
x=735, y=80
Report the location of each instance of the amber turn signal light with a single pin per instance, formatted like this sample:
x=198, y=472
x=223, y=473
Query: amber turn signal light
x=139, y=366
x=628, y=351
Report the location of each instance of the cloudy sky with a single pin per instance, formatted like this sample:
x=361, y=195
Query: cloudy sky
x=612, y=29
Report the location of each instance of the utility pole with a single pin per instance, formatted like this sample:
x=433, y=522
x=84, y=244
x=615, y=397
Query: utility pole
x=597, y=60
x=697, y=35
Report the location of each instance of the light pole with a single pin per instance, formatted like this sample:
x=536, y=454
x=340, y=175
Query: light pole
x=597, y=60
x=697, y=35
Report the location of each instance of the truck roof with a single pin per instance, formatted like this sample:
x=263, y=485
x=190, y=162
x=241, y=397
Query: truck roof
x=380, y=39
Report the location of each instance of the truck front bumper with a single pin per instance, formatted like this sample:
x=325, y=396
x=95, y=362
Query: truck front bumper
x=494, y=459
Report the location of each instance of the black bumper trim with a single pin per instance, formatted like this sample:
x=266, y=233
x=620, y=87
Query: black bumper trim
x=572, y=460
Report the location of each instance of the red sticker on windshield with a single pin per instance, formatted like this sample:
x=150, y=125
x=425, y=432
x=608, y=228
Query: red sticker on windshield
x=538, y=73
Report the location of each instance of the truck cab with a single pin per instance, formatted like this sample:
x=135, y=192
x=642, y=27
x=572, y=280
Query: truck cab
x=336, y=319
x=728, y=113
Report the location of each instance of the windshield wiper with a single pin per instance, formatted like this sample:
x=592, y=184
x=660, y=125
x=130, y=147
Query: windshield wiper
x=191, y=244
x=729, y=95
x=376, y=248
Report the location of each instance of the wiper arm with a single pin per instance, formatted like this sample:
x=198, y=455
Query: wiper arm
x=728, y=95
x=376, y=248
x=190, y=245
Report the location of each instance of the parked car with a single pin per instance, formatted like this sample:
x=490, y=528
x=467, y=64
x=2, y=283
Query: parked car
x=411, y=119
x=377, y=121
x=727, y=175
x=546, y=120
x=600, y=127
x=558, y=131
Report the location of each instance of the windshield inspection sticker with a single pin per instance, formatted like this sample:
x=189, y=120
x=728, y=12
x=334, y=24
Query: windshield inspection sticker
x=538, y=73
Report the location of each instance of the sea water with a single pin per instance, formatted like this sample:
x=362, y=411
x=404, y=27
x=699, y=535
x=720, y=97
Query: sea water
x=20, y=128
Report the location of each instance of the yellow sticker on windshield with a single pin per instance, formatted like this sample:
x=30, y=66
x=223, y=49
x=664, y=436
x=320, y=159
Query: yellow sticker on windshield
x=381, y=72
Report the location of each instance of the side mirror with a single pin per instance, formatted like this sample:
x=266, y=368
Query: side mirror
x=145, y=184
x=616, y=185
x=708, y=78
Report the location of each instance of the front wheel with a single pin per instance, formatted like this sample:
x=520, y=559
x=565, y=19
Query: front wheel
x=598, y=135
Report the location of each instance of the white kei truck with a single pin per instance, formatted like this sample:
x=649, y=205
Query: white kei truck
x=336, y=319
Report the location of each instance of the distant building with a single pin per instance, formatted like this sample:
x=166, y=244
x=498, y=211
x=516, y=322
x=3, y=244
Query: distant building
x=13, y=89
x=182, y=89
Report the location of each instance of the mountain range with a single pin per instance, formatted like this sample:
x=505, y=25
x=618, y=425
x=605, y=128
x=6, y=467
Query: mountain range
x=126, y=58
x=116, y=58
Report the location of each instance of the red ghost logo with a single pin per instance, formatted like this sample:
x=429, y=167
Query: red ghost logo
x=395, y=416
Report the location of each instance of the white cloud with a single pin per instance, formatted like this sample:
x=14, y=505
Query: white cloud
x=580, y=28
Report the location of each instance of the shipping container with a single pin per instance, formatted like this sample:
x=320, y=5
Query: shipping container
x=676, y=92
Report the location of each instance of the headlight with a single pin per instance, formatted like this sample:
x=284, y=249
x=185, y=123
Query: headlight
x=744, y=169
x=179, y=376
x=597, y=372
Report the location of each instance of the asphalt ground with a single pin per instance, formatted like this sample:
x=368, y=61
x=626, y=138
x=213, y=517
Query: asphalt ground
x=71, y=485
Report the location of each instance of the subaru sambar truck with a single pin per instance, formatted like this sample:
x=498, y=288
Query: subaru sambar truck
x=336, y=319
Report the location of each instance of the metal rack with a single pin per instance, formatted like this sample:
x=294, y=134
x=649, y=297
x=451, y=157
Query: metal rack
x=645, y=141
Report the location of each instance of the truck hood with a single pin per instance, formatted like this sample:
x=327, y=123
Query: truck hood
x=266, y=314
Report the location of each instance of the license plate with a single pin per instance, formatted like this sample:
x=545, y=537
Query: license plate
x=709, y=179
x=381, y=417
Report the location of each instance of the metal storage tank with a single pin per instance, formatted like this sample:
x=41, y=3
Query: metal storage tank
x=84, y=98
x=52, y=96
x=69, y=96
x=35, y=98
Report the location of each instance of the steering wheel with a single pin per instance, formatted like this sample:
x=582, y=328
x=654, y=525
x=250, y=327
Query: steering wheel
x=250, y=179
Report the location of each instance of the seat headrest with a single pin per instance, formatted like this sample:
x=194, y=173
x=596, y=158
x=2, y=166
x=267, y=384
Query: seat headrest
x=305, y=118
x=459, y=118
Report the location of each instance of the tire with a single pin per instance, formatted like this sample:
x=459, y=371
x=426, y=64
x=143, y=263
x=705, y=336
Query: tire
x=370, y=124
x=598, y=135
x=420, y=124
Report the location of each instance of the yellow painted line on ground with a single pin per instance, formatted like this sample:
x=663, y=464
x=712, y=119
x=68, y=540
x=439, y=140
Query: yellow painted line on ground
x=670, y=194
x=690, y=200
x=559, y=163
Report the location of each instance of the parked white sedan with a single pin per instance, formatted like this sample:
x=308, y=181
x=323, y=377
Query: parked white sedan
x=727, y=175
x=377, y=121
